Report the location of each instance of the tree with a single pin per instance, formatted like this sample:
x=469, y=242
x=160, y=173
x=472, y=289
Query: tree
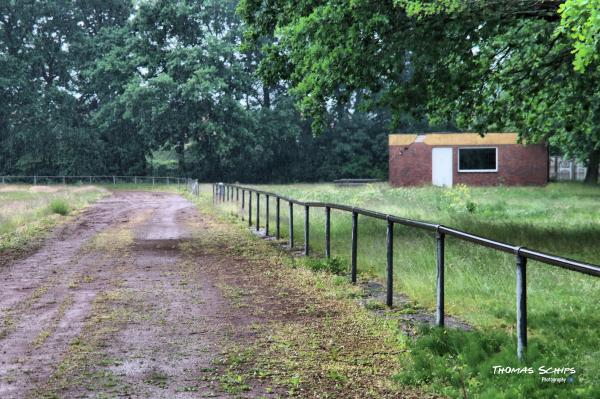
x=484, y=65
x=43, y=46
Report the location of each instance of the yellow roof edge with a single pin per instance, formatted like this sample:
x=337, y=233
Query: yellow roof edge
x=491, y=138
x=401, y=139
x=471, y=139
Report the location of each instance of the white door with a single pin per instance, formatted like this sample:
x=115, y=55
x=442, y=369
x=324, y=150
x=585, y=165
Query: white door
x=441, y=166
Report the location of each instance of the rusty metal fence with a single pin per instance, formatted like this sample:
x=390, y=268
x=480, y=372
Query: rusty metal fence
x=240, y=194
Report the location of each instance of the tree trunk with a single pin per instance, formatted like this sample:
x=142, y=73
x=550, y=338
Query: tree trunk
x=591, y=176
x=180, y=150
x=266, y=96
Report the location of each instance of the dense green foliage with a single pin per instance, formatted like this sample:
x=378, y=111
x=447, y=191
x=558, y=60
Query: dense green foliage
x=284, y=90
x=100, y=87
x=485, y=65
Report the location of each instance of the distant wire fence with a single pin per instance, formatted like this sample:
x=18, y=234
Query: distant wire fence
x=235, y=193
x=566, y=169
x=193, y=187
x=109, y=179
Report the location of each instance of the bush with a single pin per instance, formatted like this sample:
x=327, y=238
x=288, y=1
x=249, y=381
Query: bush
x=59, y=206
x=458, y=199
x=460, y=364
x=332, y=265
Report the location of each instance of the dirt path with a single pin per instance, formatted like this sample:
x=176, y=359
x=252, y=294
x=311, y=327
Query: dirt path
x=120, y=256
x=141, y=297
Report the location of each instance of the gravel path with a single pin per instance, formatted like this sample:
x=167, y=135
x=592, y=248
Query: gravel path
x=111, y=304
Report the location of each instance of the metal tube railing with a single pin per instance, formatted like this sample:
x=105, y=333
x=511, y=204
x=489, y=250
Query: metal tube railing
x=522, y=254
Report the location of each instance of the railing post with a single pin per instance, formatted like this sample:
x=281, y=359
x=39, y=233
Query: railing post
x=34, y=180
x=257, y=211
x=243, y=202
x=390, y=264
x=277, y=223
x=64, y=181
x=197, y=188
x=521, y=305
x=354, y=246
x=249, y=208
x=306, y=230
x=114, y=180
x=90, y=179
x=267, y=215
x=214, y=191
x=327, y=232
x=291, y=243
x=440, y=258
x=237, y=194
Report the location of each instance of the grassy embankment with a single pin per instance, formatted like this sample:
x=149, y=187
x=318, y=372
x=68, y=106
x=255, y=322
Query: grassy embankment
x=563, y=219
x=28, y=212
x=314, y=339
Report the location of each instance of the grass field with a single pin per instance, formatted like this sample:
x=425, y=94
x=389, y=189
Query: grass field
x=27, y=212
x=562, y=219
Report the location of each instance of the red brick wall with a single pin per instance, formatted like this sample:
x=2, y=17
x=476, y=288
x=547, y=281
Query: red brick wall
x=517, y=165
x=410, y=165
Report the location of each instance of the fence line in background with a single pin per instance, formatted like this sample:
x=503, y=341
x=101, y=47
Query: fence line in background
x=224, y=193
x=565, y=169
x=193, y=187
x=90, y=179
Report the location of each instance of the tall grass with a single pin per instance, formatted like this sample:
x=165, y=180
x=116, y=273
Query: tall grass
x=59, y=206
x=563, y=219
x=26, y=212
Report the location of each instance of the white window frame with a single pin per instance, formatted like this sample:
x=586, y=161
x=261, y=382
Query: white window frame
x=477, y=170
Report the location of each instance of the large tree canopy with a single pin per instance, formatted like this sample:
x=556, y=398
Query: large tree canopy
x=280, y=88
x=44, y=46
x=95, y=87
x=529, y=66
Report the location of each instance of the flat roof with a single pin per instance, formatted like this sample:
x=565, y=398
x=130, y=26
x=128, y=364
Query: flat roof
x=454, y=139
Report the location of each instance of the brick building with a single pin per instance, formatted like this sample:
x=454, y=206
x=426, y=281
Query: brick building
x=446, y=159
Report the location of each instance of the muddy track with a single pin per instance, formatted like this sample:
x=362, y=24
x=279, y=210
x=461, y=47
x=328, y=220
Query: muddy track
x=110, y=304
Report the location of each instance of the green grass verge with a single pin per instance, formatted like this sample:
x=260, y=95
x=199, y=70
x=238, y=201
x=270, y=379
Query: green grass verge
x=28, y=212
x=480, y=283
x=316, y=340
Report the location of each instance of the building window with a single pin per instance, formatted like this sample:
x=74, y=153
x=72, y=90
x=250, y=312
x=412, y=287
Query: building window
x=478, y=159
